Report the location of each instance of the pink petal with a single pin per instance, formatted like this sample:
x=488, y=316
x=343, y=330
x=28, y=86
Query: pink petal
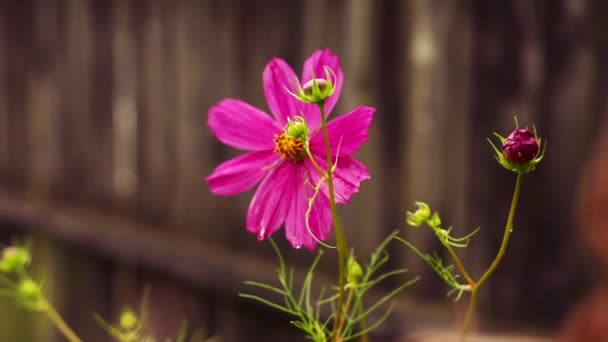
x=316, y=64
x=241, y=173
x=319, y=221
x=271, y=201
x=348, y=175
x=349, y=131
x=240, y=125
x=277, y=76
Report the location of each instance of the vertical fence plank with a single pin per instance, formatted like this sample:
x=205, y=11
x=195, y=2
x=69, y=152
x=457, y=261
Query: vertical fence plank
x=126, y=289
x=192, y=83
x=155, y=126
x=323, y=22
x=124, y=111
x=455, y=73
x=566, y=110
x=77, y=145
x=422, y=157
x=187, y=207
x=17, y=20
x=43, y=101
x=362, y=215
x=223, y=79
x=5, y=165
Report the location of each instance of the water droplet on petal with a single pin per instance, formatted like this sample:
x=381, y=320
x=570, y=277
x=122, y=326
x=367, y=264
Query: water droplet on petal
x=298, y=246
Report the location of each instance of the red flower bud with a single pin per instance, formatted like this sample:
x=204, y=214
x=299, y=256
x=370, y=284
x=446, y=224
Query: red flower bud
x=520, y=146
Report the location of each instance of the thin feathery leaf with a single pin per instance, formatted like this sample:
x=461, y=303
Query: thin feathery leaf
x=371, y=327
x=269, y=303
x=385, y=299
x=266, y=287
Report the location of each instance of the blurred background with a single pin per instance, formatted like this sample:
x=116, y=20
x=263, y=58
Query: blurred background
x=104, y=148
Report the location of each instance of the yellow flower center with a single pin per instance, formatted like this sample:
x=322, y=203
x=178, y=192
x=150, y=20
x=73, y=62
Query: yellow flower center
x=289, y=147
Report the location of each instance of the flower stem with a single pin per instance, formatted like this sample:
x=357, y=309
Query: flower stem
x=362, y=322
x=506, y=235
x=459, y=265
x=501, y=253
x=59, y=323
x=469, y=317
x=341, y=243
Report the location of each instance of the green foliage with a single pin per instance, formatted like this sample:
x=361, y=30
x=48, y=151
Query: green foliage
x=131, y=327
x=14, y=258
x=308, y=313
x=423, y=216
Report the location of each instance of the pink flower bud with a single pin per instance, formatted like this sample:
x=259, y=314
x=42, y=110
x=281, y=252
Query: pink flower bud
x=520, y=146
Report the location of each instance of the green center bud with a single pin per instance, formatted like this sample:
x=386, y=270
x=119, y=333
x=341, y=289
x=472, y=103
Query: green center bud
x=297, y=129
x=14, y=258
x=128, y=320
x=292, y=144
x=354, y=271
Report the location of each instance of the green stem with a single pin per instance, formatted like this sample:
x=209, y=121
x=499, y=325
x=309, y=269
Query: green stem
x=499, y=256
x=506, y=236
x=61, y=325
x=469, y=317
x=341, y=243
x=459, y=265
x=362, y=322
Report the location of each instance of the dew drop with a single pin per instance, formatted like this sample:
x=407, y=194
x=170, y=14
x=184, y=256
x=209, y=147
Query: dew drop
x=298, y=246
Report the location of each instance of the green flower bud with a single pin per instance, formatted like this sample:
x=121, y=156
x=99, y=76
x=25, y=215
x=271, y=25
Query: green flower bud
x=28, y=289
x=435, y=220
x=128, y=319
x=14, y=258
x=354, y=272
x=317, y=90
x=419, y=217
x=297, y=129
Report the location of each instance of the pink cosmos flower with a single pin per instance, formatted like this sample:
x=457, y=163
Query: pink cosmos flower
x=279, y=160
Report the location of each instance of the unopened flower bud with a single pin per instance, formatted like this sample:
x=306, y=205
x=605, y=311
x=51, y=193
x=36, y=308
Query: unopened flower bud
x=14, y=258
x=420, y=216
x=317, y=90
x=521, y=150
x=297, y=129
x=28, y=289
x=128, y=320
x=520, y=146
x=308, y=87
x=354, y=272
x=435, y=220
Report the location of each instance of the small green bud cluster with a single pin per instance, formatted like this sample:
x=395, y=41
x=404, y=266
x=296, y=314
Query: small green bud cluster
x=128, y=319
x=14, y=258
x=422, y=215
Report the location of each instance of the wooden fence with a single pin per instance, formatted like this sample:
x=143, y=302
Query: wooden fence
x=104, y=147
